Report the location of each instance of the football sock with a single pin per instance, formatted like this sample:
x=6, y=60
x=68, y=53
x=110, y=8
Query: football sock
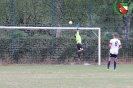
x=108, y=64
x=78, y=54
x=83, y=52
x=114, y=64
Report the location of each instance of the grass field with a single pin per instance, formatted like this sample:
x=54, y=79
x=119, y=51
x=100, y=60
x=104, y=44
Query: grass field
x=41, y=76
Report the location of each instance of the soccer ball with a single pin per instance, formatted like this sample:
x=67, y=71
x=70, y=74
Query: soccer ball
x=70, y=22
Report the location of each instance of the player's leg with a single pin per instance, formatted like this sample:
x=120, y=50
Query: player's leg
x=109, y=61
x=79, y=55
x=115, y=62
x=79, y=51
x=82, y=50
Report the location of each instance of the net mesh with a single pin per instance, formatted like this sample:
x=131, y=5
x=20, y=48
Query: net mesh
x=39, y=46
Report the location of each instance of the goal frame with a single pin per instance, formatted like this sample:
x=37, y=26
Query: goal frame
x=63, y=28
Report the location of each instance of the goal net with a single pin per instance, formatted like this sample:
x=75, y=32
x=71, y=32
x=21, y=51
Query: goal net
x=38, y=44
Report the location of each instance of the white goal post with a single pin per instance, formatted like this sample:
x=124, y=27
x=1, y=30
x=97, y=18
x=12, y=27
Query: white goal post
x=63, y=28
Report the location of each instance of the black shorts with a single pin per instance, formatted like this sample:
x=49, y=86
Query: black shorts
x=79, y=46
x=113, y=55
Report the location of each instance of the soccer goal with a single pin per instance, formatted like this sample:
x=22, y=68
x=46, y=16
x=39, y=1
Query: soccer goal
x=97, y=34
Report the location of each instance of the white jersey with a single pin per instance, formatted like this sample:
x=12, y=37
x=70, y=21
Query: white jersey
x=115, y=44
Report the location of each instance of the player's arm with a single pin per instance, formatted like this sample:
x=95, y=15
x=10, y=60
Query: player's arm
x=77, y=34
x=77, y=31
x=110, y=43
x=120, y=45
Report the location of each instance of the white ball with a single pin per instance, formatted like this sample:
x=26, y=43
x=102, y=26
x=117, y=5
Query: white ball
x=70, y=22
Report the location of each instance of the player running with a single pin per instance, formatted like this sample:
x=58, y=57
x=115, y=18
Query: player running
x=79, y=44
x=115, y=45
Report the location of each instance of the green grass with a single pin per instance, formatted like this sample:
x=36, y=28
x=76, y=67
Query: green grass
x=92, y=76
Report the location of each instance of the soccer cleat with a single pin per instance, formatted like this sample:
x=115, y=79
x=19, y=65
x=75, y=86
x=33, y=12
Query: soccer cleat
x=107, y=69
x=114, y=69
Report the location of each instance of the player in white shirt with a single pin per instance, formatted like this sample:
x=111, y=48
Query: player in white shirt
x=115, y=45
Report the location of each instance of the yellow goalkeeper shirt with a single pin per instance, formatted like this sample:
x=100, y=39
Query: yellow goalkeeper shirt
x=78, y=38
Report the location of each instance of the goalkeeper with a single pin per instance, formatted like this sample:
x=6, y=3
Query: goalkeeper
x=79, y=44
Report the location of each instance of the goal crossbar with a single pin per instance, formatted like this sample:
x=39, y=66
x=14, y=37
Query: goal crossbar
x=45, y=28
x=63, y=28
